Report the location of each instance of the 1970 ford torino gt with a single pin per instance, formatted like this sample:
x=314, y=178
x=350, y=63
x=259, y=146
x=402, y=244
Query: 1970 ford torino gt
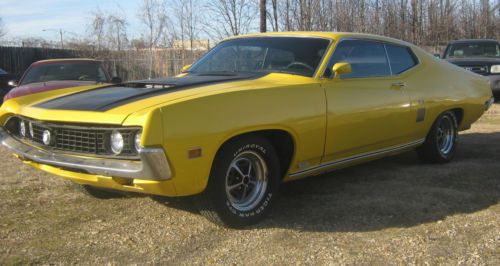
x=253, y=112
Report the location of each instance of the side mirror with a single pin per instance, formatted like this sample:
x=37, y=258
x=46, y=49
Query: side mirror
x=437, y=56
x=185, y=68
x=13, y=83
x=116, y=80
x=341, y=68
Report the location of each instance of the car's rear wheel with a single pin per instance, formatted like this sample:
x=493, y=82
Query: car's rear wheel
x=243, y=181
x=441, y=142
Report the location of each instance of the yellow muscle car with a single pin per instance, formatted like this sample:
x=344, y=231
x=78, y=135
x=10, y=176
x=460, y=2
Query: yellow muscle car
x=253, y=112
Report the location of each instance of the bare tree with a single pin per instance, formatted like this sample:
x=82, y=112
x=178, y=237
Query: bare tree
x=117, y=31
x=153, y=15
x=263, y=15
x=3, y=32
x=273, y=16
x=179, y=12
x=36, y=42
x=428, y=22
x=230, y=17
x=97, y=29
x=424, y=22
x=193, y=20
x=189, y=15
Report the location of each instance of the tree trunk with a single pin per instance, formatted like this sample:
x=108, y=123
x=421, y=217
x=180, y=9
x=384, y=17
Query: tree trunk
x=263, y=16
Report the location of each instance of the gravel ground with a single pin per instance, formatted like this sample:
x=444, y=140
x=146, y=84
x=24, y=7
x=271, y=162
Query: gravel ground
x=392, y=211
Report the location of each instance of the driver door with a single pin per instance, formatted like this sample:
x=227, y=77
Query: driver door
x=368, y=109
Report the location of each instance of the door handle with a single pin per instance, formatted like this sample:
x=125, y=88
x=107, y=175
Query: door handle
x=398, y=85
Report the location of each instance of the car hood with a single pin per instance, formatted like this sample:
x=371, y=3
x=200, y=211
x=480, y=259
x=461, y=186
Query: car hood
x=113, y=104
x=106, y=98
x=474, y=61
x=45, y=86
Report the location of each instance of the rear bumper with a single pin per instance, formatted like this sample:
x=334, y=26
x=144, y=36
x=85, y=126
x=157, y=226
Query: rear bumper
x=153, y=164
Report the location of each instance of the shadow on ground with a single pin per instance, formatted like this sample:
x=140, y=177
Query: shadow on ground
x=394, y=192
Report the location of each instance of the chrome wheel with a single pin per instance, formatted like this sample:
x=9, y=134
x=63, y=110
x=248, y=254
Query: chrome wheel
x=446, y=135
x=246, y=181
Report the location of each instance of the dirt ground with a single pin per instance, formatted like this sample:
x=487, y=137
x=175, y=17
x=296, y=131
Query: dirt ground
x=392, y=211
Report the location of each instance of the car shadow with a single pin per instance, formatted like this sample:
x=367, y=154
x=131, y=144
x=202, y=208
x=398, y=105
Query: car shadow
x=394, y=192
x=187, y=204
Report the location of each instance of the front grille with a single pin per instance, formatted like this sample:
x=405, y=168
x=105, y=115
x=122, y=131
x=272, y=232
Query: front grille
x=76, y=138
x=482, y=70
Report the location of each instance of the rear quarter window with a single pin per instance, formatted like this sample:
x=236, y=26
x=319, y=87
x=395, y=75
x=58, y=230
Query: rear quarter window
x=401, y=58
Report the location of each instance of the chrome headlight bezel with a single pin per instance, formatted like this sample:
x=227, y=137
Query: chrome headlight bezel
x=30, y=127
x=22, y=128
x=116, y=142
x=495, y=69
x=137, y=141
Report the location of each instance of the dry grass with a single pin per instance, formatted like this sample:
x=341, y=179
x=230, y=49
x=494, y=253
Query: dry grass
x=392, y=211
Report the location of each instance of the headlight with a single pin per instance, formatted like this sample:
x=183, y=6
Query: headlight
x=116, y=142
x=495, y=69
x=137, y=141
x=22, y=128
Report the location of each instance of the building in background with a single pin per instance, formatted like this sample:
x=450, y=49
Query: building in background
x=197, y=45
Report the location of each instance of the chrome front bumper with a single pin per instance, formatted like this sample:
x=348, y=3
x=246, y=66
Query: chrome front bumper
x=153, y=164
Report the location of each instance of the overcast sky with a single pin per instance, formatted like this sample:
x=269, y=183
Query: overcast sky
x=23, y=18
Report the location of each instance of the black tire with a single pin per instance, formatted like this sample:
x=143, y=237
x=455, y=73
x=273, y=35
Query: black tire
x=101, y=193
x=222, y=207
x=435, y=148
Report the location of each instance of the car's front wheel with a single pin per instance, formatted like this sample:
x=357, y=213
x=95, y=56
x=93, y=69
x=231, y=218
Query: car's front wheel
x=441, y=142
x=243, y=181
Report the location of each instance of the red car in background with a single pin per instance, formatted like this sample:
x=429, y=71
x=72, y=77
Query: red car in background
x=56, y=74
x=4, y=83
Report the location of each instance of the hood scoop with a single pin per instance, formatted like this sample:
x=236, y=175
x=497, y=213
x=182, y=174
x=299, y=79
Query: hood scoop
x=158, y=86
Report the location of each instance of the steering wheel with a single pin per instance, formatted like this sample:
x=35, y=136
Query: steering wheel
x=301, y=64
x=83, y=77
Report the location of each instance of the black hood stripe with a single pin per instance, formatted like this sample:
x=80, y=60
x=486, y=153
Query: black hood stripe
x=107, y=98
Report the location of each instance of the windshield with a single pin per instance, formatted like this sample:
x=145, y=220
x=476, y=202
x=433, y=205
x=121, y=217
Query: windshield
x=264, y=54
x=65, y=71
x=2, y=71
x=483, y=49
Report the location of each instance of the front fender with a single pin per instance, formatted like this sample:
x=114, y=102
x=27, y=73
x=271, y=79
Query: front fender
x=208, y=121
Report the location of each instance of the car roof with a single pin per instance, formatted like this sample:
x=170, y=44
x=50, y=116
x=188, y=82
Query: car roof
x=324, y=35
x=473, y=41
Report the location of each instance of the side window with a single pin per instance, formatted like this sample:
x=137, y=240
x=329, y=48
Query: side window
x=401, y=58
x=367, y=58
